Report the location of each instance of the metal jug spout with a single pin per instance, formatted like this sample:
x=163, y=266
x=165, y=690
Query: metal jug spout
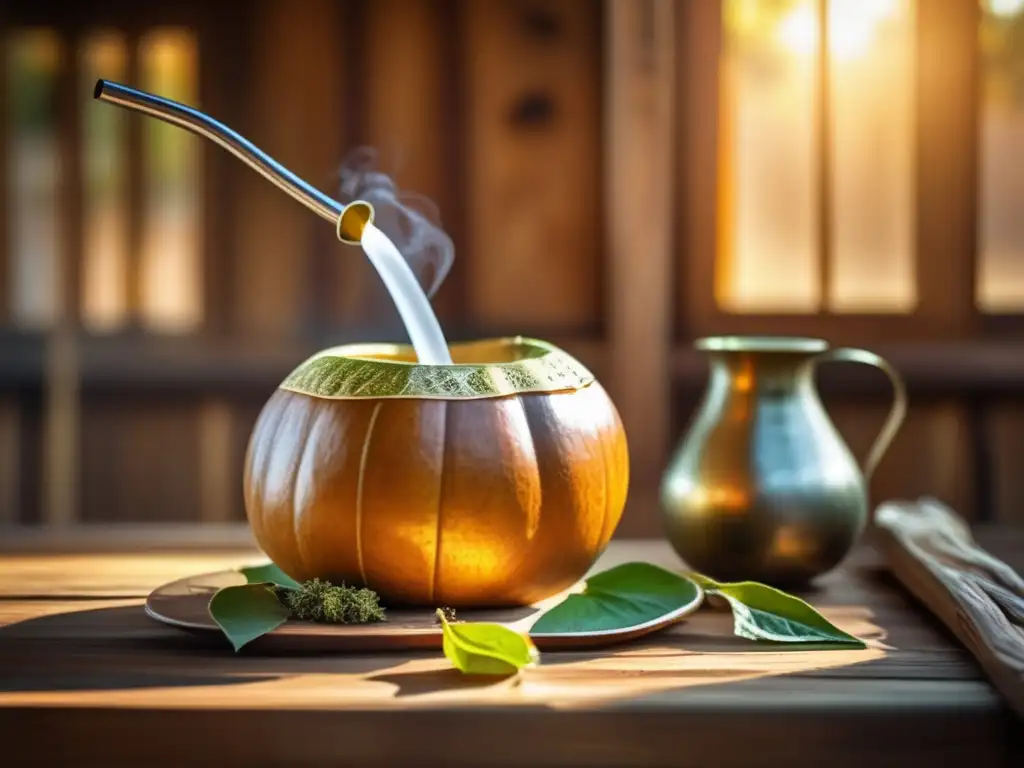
x=350, y=219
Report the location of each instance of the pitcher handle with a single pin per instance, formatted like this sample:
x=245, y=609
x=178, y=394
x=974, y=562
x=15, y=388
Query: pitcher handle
x=899, y=404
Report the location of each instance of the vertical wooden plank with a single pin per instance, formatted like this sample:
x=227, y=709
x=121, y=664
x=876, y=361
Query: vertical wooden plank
x=10, y=461
x=139, y=459
x=30, y=456
x=5, y=239
x=404, y=122
x=533, y=91
x=61, y=427
x=947, y=165
x=245, y=413
x=453, y=295
x=403, y=44
x=1005, y=435
x=297, y=95
x=640, y=226
x=826, y=143
x=222, y=65
x=216, y=480
x=405, y=98
x=136, y=185
x=700, y=35
x=981, y=460
x=69, y=273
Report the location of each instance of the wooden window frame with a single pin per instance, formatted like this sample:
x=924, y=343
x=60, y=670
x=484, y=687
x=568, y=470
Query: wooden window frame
x=946, y=190
x=216, y=241
x=62, y=346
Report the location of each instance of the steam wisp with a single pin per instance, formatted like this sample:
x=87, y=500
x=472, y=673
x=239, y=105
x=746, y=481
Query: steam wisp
x=409, y=220
x=407, y=247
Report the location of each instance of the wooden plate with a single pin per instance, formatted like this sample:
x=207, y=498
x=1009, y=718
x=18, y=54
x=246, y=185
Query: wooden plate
x=183, y=604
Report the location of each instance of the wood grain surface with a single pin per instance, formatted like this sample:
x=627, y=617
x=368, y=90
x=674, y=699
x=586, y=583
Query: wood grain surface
x=86, y=678
x=639, y=138
x=532, y=93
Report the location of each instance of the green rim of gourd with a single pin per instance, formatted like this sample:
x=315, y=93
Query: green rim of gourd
x=491, y=368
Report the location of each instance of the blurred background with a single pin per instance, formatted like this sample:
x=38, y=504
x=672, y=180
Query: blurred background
x=619, y=177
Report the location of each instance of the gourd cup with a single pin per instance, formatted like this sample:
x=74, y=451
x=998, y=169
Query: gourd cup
x=495, y=481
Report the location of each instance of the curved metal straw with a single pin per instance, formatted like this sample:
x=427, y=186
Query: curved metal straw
x=350, y=219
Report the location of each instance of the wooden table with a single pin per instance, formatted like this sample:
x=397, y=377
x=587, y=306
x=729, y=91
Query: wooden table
x=87, y=678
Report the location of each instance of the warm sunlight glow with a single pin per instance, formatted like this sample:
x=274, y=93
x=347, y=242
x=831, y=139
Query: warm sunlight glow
x=1000, y=268
x=1005, y=8
x=872, y=112
x=170, y=272
x=851, y=27
x=32, y=59
x=799, y=30
x=105, y=177
x=769, y=255
x=768, y=165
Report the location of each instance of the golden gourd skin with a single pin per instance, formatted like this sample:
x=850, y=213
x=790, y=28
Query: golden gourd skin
x=461, y=502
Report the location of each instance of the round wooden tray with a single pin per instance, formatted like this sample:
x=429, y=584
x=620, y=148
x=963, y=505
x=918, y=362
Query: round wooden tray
x=183, y=604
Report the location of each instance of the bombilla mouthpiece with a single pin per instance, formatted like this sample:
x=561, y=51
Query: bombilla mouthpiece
x=354, y=219
x=350, y=219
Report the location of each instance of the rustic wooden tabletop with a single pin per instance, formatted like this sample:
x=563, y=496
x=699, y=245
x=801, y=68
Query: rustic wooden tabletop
x=86, y=678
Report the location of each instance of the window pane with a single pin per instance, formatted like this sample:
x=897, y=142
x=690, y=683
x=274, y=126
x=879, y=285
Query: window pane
x=33, y=60
x=767, y=258
x=1001, y=220
x=171, y=289
x=871, y=66
x=104, y=204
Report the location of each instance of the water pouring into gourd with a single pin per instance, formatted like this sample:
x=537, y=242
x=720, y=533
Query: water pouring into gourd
x=483, y=473
x=422, y=244
x=355, y=221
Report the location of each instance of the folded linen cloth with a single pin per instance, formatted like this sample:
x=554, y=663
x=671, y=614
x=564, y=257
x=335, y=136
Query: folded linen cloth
x=979, y=598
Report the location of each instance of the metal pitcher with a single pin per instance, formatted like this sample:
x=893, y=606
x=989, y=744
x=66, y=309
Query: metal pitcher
x=763, y=487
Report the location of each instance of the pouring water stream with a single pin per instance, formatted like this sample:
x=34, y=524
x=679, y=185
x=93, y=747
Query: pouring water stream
x=354, y=221
x=410, y=299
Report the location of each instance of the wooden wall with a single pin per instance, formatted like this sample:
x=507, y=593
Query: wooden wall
x=561, y=144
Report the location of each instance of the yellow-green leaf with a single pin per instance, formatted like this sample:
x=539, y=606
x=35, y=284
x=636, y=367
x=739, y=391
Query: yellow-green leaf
x=486, y=649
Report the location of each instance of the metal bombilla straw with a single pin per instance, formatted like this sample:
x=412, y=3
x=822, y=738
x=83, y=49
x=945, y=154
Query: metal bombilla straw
x=350, y=220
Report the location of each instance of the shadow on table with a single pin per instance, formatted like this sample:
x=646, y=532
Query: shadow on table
x=418, y=683
x=699, y=652
x=120, y=647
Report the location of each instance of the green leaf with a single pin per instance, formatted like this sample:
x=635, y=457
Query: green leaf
x=703, y=581
x=260, y=574
x=626, y=596
x=761, y=612
x=486, y=649
x=247, y=611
